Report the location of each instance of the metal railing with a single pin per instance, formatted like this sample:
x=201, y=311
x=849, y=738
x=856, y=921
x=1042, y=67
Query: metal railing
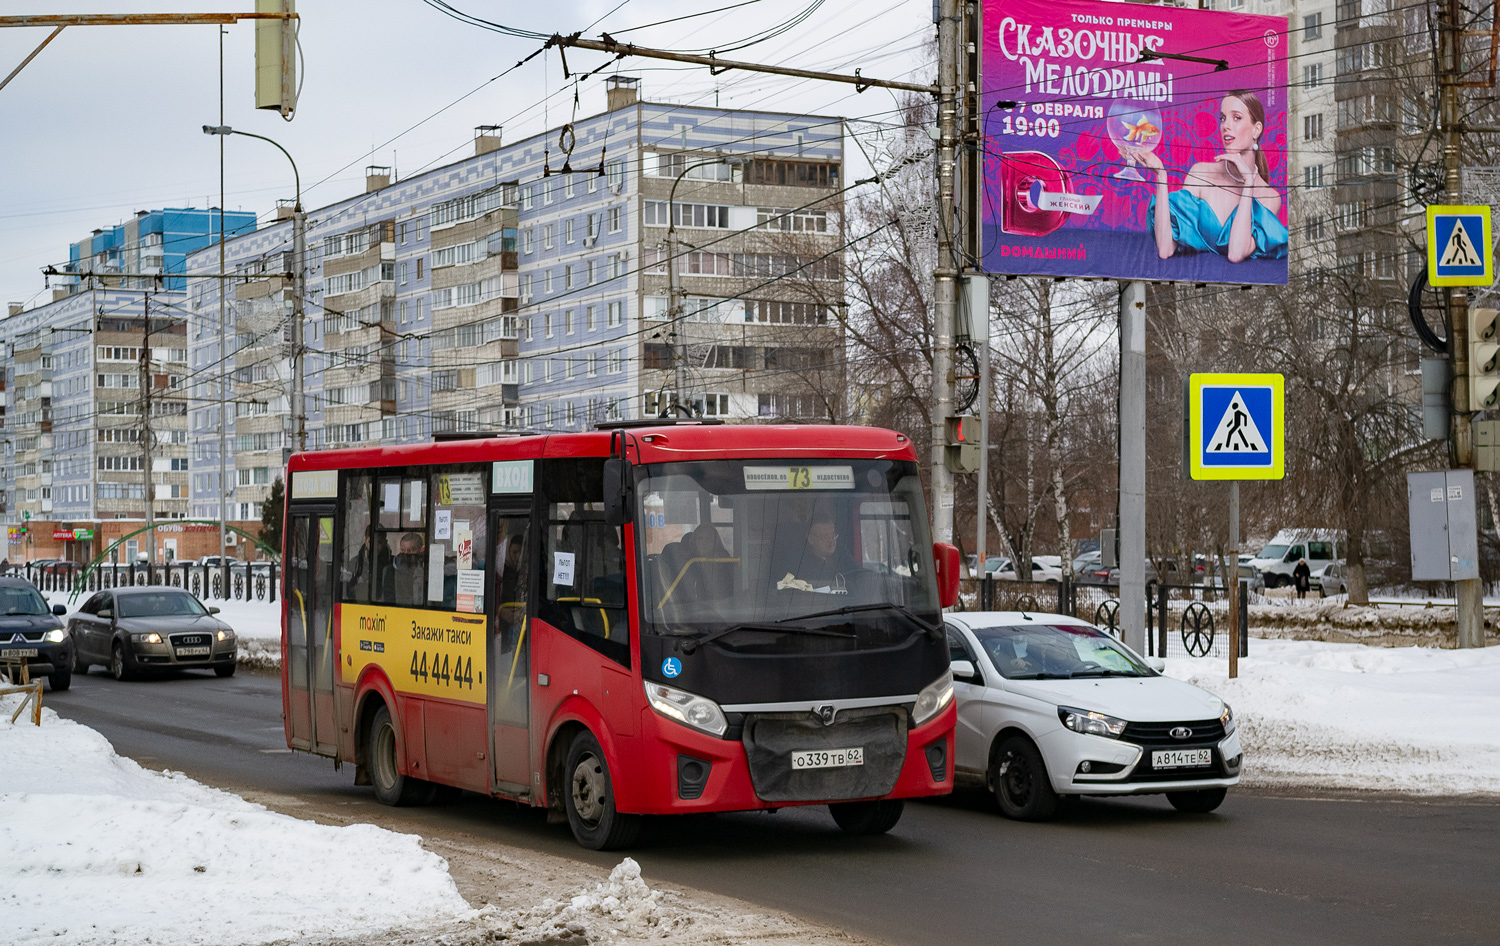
x=257, y=581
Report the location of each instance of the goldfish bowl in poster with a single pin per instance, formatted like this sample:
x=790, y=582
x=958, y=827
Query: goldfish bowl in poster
x=1105, y=159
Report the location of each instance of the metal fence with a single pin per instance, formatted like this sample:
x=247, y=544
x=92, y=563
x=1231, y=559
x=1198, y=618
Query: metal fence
x=1181, y=620
x=235, y=582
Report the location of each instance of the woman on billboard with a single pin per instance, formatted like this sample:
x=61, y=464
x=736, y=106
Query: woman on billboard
x=1225, y=206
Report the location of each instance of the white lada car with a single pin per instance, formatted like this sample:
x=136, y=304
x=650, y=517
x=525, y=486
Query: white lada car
x=1051, y=706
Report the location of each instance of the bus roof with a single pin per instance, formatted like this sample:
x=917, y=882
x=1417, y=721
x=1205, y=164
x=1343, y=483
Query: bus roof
x=663, y=444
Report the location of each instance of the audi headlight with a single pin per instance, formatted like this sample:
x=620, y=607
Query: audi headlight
x=932, y=699
x=148, y=638
x=690, y=709
x=1227, y=719
x=226, y=635
x=56, y=636
x=1094, y=724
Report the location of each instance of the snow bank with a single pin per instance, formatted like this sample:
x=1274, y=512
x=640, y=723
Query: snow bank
x=1330, y=715
x=99, y=850
x=621, y=907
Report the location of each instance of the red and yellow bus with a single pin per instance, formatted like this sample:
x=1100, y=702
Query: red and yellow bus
x=648, y=619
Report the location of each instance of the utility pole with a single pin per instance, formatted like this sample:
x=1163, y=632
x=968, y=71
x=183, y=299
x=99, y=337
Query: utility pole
x=1133, y=465
x=224, y=372
x=299, y=290
x=945, y=273
x=146, y=382
x=1468, y=593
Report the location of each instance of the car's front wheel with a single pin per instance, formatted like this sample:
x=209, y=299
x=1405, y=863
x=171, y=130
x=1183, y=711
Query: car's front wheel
x=867, y=817
x=118, y=668
x=589, y=798
x=80, y=666
x=224, y=670
x=61, y=678
x=1200, y=802
x=1020, y=781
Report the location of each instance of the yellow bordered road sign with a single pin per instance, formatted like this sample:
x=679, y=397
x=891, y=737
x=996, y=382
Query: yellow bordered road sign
x=1460, y=249
x=1236, y=427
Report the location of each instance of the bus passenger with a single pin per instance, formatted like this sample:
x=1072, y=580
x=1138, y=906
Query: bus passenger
x=410, y=570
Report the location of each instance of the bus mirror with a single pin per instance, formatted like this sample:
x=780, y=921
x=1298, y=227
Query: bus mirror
x=616, y=491
x=946, y=557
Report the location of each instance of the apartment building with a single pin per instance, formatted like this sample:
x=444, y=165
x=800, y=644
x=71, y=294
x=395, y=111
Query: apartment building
x=71, y=388
x=527, y=287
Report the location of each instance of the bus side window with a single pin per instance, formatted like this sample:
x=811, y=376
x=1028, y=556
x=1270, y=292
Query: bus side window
x=357, y=574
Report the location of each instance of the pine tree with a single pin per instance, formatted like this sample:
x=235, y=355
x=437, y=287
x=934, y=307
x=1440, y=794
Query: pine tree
x=271, y=515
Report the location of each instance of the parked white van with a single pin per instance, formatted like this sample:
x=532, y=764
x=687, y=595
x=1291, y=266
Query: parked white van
x=1321, y=547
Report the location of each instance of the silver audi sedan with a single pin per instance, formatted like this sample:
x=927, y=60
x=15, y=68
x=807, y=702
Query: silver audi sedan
x=137, y=630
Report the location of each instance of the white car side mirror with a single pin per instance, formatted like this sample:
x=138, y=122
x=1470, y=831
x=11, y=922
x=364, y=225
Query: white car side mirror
x=965, y=671
x=1157, y=664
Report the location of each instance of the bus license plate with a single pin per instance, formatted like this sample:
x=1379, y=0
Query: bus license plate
x=18, y=652
x=193, y=651
x=1180, y=758
x=828, y=758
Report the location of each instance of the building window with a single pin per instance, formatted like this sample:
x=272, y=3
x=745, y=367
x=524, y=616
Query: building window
x=614, y=219
x=1312, y=26
x=615, y=170
x=593, y=364
x=526, y=245
x=616, y=310
x=568, y=186
x=547, y=325
x=1312, y=126
x=1312, y=176
x=589, y=322
x=568, y=276
x=568, y=230
x=568, y=322
x=1312, y=75
x=547, y=281
x=616, y=361
x=546, y=187
x=590, y=272
x=1313, y=228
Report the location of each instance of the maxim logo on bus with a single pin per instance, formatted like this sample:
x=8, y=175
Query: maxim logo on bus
x=372, y=623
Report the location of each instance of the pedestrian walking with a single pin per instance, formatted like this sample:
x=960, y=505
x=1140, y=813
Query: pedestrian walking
x=1302, y=577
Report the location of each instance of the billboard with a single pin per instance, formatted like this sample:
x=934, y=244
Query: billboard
x=1104, y=161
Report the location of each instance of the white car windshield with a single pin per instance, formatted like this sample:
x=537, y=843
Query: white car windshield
x=1273, y=551
x=1057, y=652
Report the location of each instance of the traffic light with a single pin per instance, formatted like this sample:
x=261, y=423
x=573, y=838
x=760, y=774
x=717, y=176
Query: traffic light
x=962, y=454
x=1484, y=359
x=276, y=58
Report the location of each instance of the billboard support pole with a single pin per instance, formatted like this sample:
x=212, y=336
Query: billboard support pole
x=1132, y=422
x=945, y=272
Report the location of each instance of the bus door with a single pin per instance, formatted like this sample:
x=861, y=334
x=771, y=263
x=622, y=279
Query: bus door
x=510, y=643
x=310, y=652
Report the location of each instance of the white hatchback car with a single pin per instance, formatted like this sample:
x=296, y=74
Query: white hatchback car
x=1050, y=706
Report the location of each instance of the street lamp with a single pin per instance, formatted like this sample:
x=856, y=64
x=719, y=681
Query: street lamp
x=674, y=308
x=299, y=283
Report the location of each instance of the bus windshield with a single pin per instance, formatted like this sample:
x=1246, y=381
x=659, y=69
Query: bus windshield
x=731, y=543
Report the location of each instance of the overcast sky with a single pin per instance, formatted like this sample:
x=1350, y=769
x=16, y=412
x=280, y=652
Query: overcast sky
x=107, y=120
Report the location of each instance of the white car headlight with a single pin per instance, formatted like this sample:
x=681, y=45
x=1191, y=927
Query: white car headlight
x=226, y=635
x=690, y=709
x=932, y=699
x=149, y=638
x=1227, y=718
x=56, y=636
x=1091, y=723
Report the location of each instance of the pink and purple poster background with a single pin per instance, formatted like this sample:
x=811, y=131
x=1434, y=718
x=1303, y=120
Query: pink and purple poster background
x=1115, y=240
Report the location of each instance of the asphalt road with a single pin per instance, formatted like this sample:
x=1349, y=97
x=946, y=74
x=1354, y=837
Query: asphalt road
x=1262, y=870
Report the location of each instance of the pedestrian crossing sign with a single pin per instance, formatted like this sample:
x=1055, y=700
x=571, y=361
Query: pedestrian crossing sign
x=1235, y=428
x=1459, y=247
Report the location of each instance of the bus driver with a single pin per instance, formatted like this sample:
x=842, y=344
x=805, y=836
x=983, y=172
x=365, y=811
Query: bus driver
x=823, y=563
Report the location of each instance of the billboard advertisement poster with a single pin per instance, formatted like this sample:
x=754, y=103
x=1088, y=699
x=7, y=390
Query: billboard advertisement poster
x=1104, y=161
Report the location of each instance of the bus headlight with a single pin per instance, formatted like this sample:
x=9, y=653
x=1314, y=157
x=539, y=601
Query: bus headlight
x=932, y=699
x=687, y=708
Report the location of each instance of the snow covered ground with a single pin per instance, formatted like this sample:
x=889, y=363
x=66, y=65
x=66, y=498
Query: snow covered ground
x=100, y=850
x=1324, y=715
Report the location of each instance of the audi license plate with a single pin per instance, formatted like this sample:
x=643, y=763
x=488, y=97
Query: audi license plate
x=193, y=651
x=18, y=652
x=828, y=758
x=1181, y=758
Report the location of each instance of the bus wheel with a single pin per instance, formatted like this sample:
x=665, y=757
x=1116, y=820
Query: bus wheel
x=391, y=787
x=589, y=799
x=867, y=817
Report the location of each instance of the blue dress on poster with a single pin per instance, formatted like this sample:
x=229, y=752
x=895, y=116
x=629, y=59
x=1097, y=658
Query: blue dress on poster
x=1196, y=227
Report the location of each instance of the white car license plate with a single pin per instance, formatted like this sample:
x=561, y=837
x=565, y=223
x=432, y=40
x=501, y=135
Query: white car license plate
x=194, y=651
x=828, y=758
x=18, y=652
x=1181, y=758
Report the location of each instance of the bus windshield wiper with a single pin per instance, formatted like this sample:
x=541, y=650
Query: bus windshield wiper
x=693, y=644
x=935, y=630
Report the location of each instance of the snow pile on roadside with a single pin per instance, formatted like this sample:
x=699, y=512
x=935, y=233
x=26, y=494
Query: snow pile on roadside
x=100, y=850
x=1317, y=714
x=621, y=907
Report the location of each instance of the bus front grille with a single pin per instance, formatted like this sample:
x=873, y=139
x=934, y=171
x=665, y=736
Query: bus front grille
x=770, y=739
